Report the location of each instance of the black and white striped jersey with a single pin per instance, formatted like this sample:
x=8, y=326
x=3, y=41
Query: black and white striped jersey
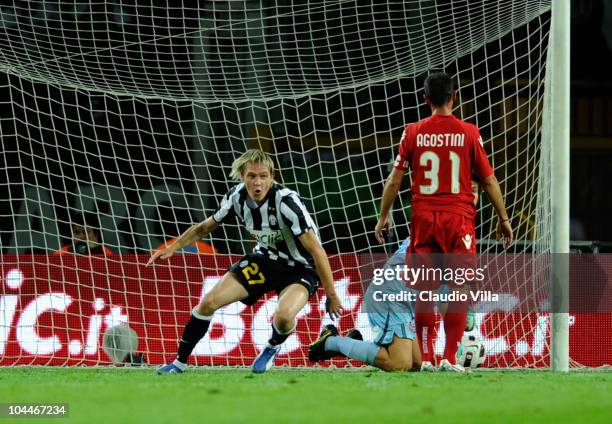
x=276, y=224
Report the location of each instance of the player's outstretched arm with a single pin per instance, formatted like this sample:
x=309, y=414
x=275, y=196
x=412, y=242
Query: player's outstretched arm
x=192, y=234
x=491, y=187
x=313, y=246
x=392, y=186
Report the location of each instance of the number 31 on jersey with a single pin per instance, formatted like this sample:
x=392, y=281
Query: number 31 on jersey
x=431, y=162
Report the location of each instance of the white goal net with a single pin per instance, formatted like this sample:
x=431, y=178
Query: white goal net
x=135, y=113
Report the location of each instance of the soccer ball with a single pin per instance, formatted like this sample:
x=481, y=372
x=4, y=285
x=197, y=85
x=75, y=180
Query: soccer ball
x=119, y=342
x=471, y=352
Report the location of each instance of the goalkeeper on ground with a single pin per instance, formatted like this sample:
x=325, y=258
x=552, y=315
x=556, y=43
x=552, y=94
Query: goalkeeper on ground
x=394, y=347
x=287, y=259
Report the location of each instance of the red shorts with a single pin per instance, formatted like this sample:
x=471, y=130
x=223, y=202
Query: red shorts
x=441, y=232
x=440, y=240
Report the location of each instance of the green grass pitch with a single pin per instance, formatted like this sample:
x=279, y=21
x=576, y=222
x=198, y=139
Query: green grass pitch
x=293, y=396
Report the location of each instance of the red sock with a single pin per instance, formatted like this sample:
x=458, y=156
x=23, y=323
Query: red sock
x=454, y=326
x=425, y=321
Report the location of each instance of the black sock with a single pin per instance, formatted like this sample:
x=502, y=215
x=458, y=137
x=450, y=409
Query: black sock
x=195, y=329
x=278, y=338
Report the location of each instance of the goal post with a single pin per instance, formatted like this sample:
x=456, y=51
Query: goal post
x=136, y=113
x=559, y=68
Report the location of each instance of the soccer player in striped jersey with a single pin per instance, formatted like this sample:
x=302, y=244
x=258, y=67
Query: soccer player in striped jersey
x=288, y=258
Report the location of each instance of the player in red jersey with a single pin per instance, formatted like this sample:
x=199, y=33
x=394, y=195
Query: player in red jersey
x=443, y=153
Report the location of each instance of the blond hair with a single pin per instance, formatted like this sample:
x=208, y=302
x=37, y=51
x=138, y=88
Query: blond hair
x=251, y=156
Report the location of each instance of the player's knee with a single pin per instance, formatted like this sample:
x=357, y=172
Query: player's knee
x=383, y=364
x=283, y=321
x=207, y=306
x=402, y=365
x=391, y=365
x=405, y=365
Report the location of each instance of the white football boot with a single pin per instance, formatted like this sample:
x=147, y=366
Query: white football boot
x=427, y=366
x=447, y=366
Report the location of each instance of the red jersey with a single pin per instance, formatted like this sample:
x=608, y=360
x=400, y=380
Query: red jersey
x=443, y=153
